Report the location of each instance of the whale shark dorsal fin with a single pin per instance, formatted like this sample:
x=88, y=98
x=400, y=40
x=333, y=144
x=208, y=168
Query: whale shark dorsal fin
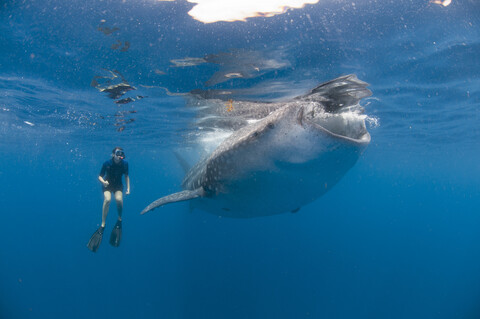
x=175, y=197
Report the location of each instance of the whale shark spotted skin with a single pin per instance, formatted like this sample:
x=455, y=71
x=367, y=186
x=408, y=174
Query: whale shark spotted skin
x=290, y=155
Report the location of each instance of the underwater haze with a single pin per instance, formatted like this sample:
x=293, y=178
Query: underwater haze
x=397, y=237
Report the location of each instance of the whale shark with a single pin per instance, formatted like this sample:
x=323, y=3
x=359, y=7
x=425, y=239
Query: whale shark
x=281, y=155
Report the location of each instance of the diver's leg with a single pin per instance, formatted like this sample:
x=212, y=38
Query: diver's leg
x=119, y=200
x=106, y=204
x=117, y=229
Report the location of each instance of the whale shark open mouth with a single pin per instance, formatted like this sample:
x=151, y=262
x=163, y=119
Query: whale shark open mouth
x=348, y=125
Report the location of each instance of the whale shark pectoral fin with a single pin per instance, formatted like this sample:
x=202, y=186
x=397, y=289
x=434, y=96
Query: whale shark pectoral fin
x=338, y=93
x=175, y=197
x=183, y=163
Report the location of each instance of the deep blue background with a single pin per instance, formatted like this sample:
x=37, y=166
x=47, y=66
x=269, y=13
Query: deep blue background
x=391, y=240
x=398, y=237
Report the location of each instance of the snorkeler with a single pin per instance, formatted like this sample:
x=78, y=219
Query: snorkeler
x=111, y=179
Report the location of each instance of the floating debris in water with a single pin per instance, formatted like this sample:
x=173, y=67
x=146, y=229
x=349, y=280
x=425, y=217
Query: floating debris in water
x=123, y=46
x=129, y=100
x=125, y=101
x=118, y=45
x=233, y=75
x=187, y=62
x=245, y=64
x=115, y=91
x=29, y=123
x=114, y=75
x=106, y=30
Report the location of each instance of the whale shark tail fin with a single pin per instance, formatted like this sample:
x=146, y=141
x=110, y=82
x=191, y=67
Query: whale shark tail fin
x=338, y=93
x=173, y=198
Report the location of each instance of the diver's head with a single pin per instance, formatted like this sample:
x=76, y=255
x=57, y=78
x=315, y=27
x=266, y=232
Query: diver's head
x=118, y=154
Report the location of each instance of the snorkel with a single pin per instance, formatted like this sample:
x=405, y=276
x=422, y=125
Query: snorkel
x=118, y=154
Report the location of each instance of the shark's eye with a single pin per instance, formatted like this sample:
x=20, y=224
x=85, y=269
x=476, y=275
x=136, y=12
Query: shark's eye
x=255, y=134
x=270, y=125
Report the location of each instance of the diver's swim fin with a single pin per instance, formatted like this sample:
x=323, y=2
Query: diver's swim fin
x=96, y=239
x=116, y=234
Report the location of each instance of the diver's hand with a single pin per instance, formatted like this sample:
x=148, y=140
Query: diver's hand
x=105, y=183
x=127, y=192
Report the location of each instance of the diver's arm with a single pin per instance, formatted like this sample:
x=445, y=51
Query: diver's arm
x=127, y=180
x=104, y=182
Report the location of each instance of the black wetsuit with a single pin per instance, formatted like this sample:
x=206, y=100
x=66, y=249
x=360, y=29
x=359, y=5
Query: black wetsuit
x=114, y=172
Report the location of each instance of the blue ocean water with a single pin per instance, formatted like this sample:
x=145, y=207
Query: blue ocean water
x=397, y=237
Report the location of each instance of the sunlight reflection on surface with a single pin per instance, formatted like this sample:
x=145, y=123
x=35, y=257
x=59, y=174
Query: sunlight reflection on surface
x=209, y=11
x=442, y=2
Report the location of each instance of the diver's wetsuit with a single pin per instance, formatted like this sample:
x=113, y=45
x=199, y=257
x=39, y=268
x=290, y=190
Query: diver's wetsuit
x=114, y=174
